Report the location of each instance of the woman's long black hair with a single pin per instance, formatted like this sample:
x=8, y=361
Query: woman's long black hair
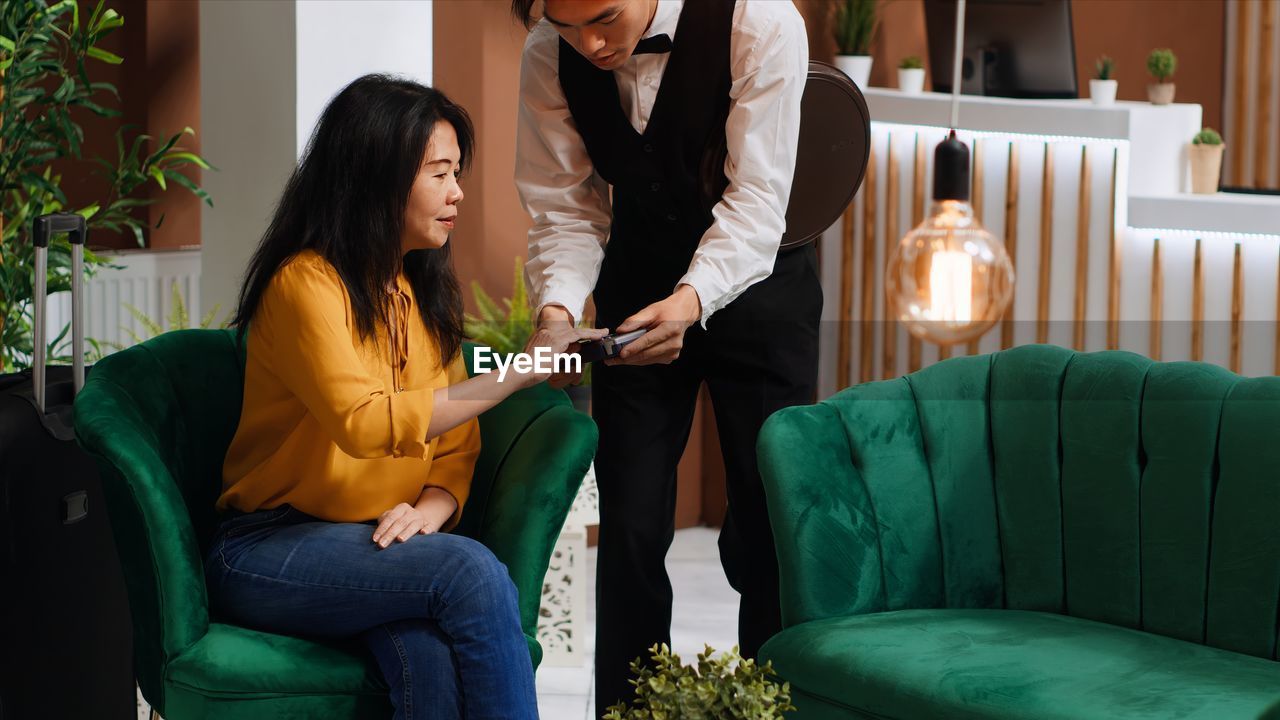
x=346, y=201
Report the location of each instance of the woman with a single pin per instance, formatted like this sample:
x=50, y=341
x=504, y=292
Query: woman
x=358, y=435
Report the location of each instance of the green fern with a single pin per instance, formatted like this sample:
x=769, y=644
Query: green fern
x=506, y=330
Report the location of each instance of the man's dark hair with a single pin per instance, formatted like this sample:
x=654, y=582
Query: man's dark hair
x=522, y=10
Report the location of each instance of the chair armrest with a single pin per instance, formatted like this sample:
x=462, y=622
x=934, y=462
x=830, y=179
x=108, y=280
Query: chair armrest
x=533, y=491
x=158, y=550
x=823, y=522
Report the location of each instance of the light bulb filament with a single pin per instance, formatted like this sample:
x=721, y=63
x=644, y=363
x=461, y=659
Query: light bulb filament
x=951, y=288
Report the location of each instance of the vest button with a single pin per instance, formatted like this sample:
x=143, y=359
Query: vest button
x=671, y=217
x=648, y=147
x=655, y=186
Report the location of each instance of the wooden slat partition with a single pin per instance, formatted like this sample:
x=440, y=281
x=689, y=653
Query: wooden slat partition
x=1157, y=300
x=1082, y=248
x=1046, y=247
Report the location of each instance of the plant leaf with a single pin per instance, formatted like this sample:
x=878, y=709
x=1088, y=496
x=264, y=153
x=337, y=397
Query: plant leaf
x=107, y=57
x=158, y=175
x=189, y=157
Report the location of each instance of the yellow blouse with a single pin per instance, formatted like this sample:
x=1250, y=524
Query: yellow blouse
x=334, y=426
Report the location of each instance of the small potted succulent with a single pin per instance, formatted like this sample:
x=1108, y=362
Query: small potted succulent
x=1161, y=63
x=855, y=27
x=1102, y=88
x=1206, y=161
x=911, y=75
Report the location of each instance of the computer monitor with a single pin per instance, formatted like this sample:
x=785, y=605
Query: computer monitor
x=1013, y=48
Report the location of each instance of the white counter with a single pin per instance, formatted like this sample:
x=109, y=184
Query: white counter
x=1226, y=213
x=1157, y=136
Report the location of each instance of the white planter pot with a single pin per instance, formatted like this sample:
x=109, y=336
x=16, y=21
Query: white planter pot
x=857, y=67
x=911, y=81
x=1103, y=92
x=1206, y=167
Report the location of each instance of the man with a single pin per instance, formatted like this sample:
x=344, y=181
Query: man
x=655, y=151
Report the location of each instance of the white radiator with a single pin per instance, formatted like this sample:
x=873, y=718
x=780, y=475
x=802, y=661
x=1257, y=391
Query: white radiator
x=144, y=280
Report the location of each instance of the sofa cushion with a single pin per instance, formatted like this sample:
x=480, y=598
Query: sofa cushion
x=1011, y=664
x=237, y=672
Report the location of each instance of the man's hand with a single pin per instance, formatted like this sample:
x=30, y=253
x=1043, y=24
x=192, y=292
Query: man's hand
x=558, y=338
x=666, y=322
x=555, y=317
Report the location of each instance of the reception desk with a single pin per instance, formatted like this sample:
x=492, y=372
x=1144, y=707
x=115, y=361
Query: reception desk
x=1110, y=249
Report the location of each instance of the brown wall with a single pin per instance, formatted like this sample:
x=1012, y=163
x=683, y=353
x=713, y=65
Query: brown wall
x=1128, y=29
x=159, y=84
x=172, y=103
x=477, y=63
x=1124, y=29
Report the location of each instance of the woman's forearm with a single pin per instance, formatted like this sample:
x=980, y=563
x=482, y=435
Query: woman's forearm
x=456, y=404
x=459, y=403
x=436, y=505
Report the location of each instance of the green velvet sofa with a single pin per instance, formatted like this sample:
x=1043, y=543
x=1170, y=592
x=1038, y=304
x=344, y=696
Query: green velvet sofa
x=158, y=417
x=1036, y=533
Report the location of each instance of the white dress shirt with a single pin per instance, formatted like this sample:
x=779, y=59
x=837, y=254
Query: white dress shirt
x=569, y=201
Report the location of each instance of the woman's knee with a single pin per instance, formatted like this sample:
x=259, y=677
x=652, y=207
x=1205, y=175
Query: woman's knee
x=480, y=576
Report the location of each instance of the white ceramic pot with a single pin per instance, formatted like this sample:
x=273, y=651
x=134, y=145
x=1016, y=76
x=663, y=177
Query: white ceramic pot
x=1160, y=93
x=911, y=80
x=1206, y=168
x=1103, y=92
x=857, y=67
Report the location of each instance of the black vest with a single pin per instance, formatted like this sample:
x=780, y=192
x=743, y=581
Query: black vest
x=667, y=179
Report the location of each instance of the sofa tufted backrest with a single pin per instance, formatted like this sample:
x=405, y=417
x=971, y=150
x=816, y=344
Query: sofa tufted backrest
x=1100, y=485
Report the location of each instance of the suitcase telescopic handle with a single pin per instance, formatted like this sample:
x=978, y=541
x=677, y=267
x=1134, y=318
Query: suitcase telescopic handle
x=44, y=228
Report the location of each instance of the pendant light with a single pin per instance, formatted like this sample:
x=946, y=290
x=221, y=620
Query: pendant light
x=949, y=279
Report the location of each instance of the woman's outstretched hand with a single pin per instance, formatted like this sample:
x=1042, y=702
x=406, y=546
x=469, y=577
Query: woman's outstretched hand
x=557, y=340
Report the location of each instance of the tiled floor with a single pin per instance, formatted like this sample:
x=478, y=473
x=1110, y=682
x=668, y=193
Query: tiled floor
x=705, y=613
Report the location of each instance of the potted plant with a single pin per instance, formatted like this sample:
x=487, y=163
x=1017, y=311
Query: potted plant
x=727, y=687
x=1161, y=63
x=507, y=330
x=47, y=54
x=1206, y=161
x=911, y=75
x=1102, y=88
x=855, y=27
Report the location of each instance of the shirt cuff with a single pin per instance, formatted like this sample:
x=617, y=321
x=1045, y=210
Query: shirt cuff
x=575, y=311
x=707, y=295
x=410, y=417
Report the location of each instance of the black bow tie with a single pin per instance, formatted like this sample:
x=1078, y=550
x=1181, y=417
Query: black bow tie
x=658, y=44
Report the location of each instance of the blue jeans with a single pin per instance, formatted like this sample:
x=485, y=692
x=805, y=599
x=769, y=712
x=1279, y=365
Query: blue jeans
x=438, y=611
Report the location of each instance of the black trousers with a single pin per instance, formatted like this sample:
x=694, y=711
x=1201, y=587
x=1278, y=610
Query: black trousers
x=758, y=354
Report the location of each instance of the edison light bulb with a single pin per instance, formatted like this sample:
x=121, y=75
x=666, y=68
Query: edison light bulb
x=949, y=279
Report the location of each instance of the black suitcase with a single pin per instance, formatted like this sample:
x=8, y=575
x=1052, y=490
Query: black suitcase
x=66, y=647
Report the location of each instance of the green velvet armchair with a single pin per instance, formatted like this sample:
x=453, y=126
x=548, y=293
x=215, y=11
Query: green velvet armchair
x=1035, y=533
x=158, y=418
